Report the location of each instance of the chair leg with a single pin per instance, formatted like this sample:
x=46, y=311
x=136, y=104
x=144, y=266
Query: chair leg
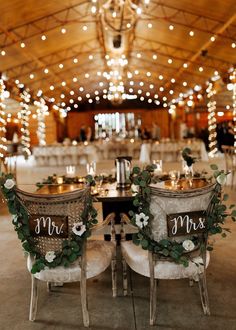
x=114, y=275
x=84, y=302
x=83, y=291
x=153, y=290
x=49, y=286
x=203, y=293
x=34, y=298
x=190, y=282
x=125, y=281
x=232, y=179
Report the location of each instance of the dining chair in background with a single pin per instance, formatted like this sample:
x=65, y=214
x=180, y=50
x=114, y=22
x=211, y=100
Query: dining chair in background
x=96, y=255
x=230, y=161
x=163, y=203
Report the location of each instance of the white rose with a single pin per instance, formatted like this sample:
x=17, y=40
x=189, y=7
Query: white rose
x=221, y=179
x=135, y=188
x=188, y=245
x=9, y=184
x=50, y=256
x=141, y=220
x=79, y=228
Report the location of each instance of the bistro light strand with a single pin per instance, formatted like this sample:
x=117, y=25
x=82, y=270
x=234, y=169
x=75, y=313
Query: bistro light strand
x=25, y=112
x=3, y=140
x=41, y=111
x=211, y=105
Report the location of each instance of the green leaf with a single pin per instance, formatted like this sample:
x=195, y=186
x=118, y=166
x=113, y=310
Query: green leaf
x=136, y=170
x=165, y=252
x=233, y=213
x=136, y=202
x=144, y=243
x=72, y=257
x=225, y=197
x=214, y=167
x=142, y=183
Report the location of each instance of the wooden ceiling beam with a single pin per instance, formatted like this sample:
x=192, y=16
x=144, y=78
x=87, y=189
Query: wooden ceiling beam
x=185, y=54
x=206, y=45
x=187, y=19
x=41, y=25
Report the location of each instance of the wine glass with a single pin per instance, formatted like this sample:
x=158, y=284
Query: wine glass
x=99, y=181
x=91, y=168
x=188, y=174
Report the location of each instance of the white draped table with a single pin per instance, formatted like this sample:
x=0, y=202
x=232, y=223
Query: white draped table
x=59, y=154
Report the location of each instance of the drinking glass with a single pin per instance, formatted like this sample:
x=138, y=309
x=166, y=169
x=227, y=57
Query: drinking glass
x=99, y=181
x=174, y=177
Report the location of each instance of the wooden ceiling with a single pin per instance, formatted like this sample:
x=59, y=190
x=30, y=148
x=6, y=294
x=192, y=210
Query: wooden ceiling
x=155, y=52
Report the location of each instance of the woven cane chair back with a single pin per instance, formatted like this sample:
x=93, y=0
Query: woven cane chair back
x=44, y=208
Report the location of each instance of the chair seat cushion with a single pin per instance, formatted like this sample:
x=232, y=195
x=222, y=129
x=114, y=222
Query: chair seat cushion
x=99, y=255
x=137, y=259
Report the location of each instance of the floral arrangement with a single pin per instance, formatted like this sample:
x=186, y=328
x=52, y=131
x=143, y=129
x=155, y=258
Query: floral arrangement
x=71, y=248
x=177, y=251
x=52, y=179
x=186, y=154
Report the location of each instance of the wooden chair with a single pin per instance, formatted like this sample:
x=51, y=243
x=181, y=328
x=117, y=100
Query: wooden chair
x=230, y=161
x=165, y=204
x=51, y=219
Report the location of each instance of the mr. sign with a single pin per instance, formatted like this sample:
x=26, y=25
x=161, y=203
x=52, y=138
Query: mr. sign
x=186, y=223
x=49, y=226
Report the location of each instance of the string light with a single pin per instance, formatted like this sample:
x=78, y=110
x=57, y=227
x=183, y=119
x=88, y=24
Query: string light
x=233, y=81
x=3, y=147
x=24, y=114
x=211, y=105
x=42, y=109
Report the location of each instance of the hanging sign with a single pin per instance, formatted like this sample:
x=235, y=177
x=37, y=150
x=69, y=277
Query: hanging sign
x=48, y=226
x=180, y=224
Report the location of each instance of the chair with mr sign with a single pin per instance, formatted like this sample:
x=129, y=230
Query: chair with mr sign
x=54, y=230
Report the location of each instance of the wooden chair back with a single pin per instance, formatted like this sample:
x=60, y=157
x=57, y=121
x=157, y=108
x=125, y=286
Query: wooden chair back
x=52, y=217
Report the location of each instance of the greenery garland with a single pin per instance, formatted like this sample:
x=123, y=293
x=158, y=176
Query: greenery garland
x=170, y=248
x=71, y=248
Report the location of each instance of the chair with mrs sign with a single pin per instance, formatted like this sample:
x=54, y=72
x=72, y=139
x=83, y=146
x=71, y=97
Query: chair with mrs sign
x=53, y=230
x=171, y=236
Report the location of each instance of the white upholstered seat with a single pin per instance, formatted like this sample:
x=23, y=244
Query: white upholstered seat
x=98, y=259
x=137, y=259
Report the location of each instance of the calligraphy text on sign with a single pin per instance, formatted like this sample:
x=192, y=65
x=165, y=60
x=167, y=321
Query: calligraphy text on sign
x=49, y=226
x=186, y=223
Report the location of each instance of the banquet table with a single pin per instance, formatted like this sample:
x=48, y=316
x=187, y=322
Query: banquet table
x=116, y=200
x=145, y=151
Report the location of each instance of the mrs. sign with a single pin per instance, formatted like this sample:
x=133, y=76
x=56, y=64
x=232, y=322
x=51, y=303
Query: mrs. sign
x=180, y=224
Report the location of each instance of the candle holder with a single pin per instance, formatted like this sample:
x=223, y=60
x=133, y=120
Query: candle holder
x=59, y=180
